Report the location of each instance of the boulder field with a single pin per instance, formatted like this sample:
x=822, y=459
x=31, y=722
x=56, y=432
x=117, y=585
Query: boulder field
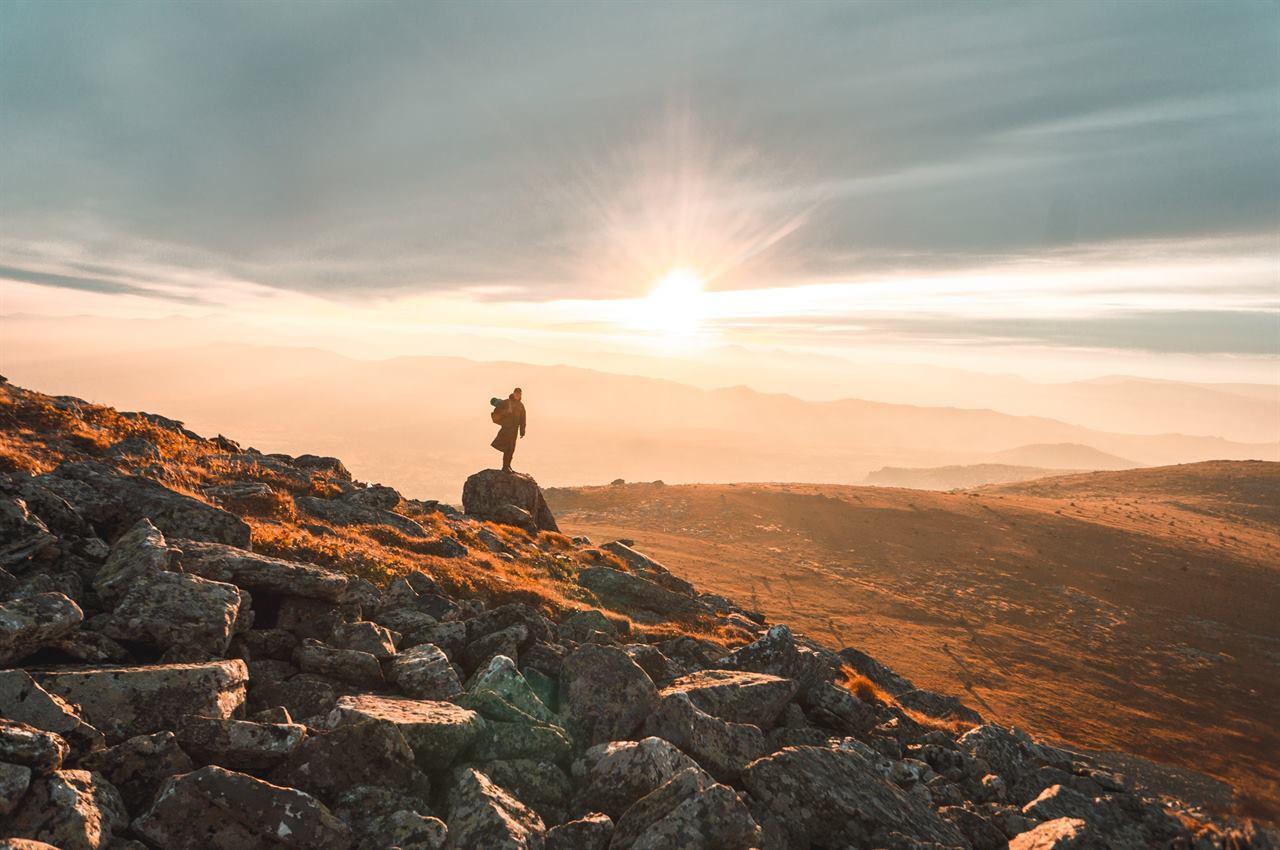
x=164, y=686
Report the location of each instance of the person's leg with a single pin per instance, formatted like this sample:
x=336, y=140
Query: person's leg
x=506, y=459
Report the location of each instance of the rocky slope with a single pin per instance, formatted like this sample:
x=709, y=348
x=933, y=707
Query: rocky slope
x=206, y=647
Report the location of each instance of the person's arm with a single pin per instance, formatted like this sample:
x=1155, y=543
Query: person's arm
x=522, y=420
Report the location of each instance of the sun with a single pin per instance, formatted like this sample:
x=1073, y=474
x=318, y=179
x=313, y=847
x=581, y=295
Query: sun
x=675, y=306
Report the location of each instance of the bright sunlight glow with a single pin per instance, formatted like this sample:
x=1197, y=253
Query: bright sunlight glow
x=675, y=306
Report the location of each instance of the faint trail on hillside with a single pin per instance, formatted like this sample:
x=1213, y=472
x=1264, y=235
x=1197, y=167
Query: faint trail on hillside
x=966, y=682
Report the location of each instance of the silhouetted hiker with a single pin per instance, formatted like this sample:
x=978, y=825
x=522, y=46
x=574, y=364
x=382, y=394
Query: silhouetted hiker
x=510, y=415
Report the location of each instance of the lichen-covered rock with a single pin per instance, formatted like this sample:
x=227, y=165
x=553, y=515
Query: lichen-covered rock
x=840, y=709
x=23, y=744
x=217, y=809
x=33, y=622
x=590, y=832
x=1058, y=801
x=261, y=573
x=722, y=748
x=239, y=744
x=649, y=568
x=629, y=592
x=303, y=695
x=738, y=696
x=830, y=797
x=780, y=654
x=483, y=815
x=505, y=642
x=485, y=493
x=438, y=732
x=15, y=779
x=612, y=776
x=501, y=740
x=540, y=784
x=22, y=699
x=139, y=552
x=22, y=533
x=347, y=665
x=688, y=811
x=604, y=693
x=126, y=701
x=136, y=767
x=500, y=692
x=364, y=636
x=383, y=817
x=342, y=511
x=367, y=752
x=71, y=809
x=113, y=502
x=424, y=672
x=187, y=616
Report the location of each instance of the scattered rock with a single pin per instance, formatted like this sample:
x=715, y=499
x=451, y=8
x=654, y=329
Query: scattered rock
x=347, y=665
x=424, y=672
x=23, y=700
x=239, y=744
x=687, y=811
x=302, y=696
x=590, y=832
x=70, y=809
x=138, y=766
x=649, y=568
x=259, y=573
x=354, y=753
x=437, y=732
x=501, y=740
x=189, y=617
x=33, y=622
x=383, y=817
x=483, y=815
x=217, y=809
x=722, y=748
x=736, y=696
x=363, y=636
x=627, y=592
x=1060, y=834
x=541, y=785
x=141, y=551
x=126, y=701
x=15, y=779
x=612, y=776
x=30, y=747
x=604, y=693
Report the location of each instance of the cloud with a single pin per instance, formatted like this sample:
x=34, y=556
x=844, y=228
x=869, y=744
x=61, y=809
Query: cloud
x=92, y=284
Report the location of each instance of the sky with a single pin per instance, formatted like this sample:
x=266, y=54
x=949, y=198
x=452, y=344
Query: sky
x=1064, y=187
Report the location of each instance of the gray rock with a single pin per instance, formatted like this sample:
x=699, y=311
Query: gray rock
x=15, y=779
x=840, y=709
x=1060, y=834
x=126, y=701
x=259, y=573
x=239, y=744
x=34, y=622
x=217, y=809
x=275, y=714
x=612, y=776
x=590, y=832
x=28, y=746
x=378, y=641
x=383, y=817
x=424, y=672
x=722, y=748
x=408, y=621
x=189, y=617
x=314, y=618
x=140, y=552
x=354, y=753
x=837, y=798
x=136, y=767
x=540, y=784
x=304, y=695
x=113, y=502
x=649, y=568
x=257, y=644
x=22, y=699
x=70, y=809
x=737, y=696
x=23, y=535
x=628, y=592
x=779, y=653
x=437, y=732
x=500, y=692
x=485, y=493
x=483, y=815
x=689, y=812
x=90, y=647
x=343, y=512
x=347, y=665
x=501, y=740
x=605, y=694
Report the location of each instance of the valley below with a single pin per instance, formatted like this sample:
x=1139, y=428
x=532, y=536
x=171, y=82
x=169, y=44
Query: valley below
x=1130, y=611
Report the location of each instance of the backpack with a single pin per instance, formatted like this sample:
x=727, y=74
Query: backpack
x=499, y=411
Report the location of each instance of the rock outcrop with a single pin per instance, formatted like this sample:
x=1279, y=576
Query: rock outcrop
x=180, y=691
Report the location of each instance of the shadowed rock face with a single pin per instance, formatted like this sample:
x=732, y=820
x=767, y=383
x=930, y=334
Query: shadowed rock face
x=485, y=495
x=416, y=716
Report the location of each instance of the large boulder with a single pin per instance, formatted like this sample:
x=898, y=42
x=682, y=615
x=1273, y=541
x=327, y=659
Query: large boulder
x=217, y=809
x=541, y=785
x=70, y=809
x=30, y=747
x=649, y=568
x=346, y=665
x=345, y=511
x=735, y=695
x=691, y=812
x=438, y=732
x=136, y=767
x=612, y=776
x=424, y=672
x=485, y=494
x=363, y=636
x=140, y=551
x=591, y=832
x=605, y=694
x=22, y=699
x=629, y=592
x=186, y=616
x=483, y=815
x=357, y=753
x=723, y=748
x=33, y=622
x=259, y=573
x=779, y=653
x=384, y=817
x=239, y=744
x=113, y=502
x=128, y=701
x=22, y=533
x=500, y=692
x=837, y=798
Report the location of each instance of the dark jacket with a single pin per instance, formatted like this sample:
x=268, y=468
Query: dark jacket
x=513, y=421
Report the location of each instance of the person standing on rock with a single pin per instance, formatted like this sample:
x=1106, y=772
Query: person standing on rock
x=510, y=415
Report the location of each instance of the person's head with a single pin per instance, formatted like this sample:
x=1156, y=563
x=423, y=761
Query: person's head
x=517, y=393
